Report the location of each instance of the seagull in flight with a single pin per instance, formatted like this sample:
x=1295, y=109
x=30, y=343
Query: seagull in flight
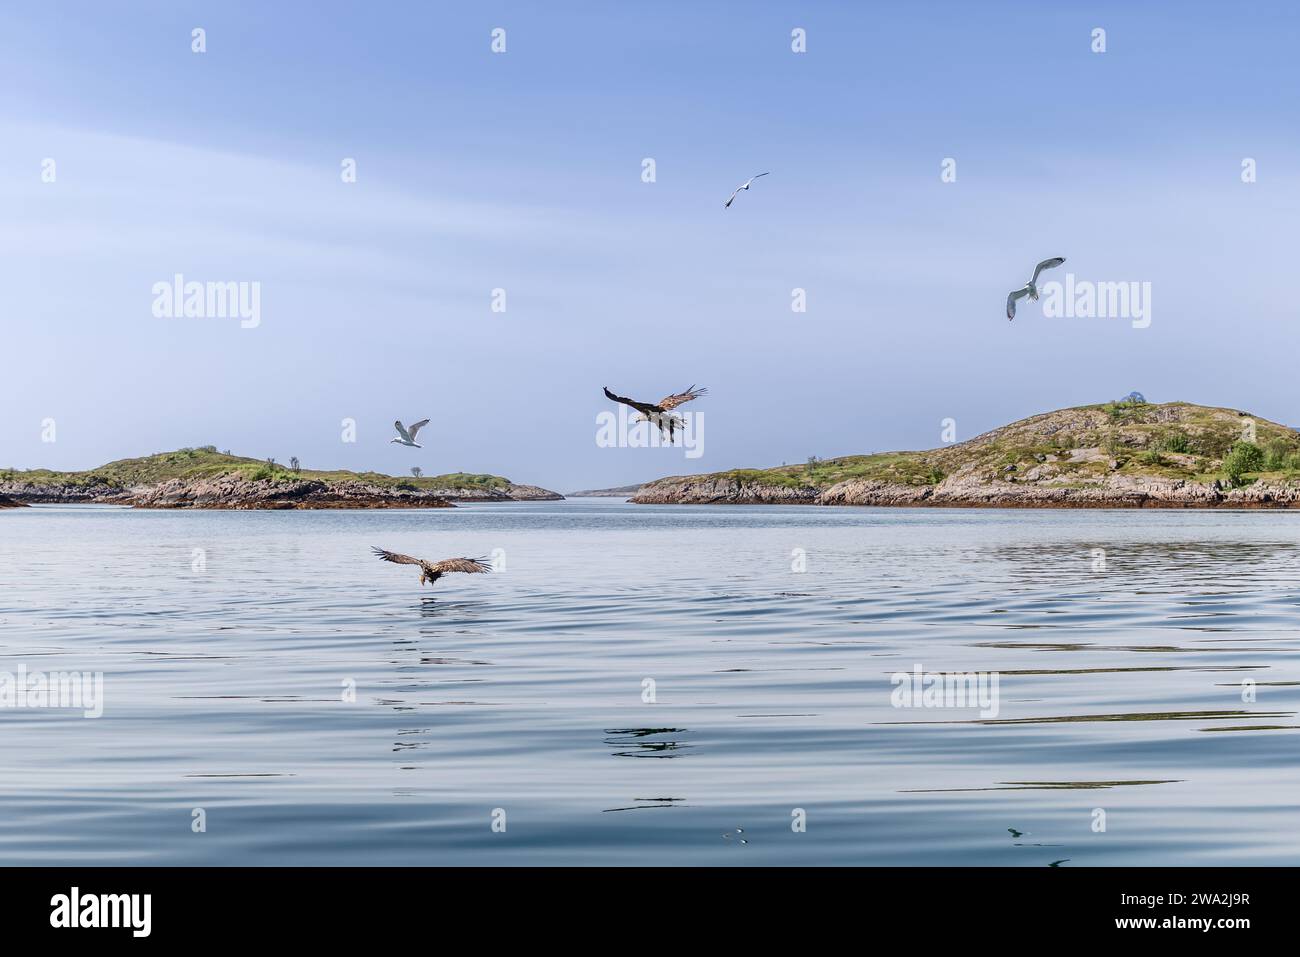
x=744, y=185
x=431, y=571
x=660, y=413
x=406, y=436
x=1030, y=288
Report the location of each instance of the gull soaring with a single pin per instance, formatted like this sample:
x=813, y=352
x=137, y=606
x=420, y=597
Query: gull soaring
x=1030, y=288
x=406, y=436
x=744, y=185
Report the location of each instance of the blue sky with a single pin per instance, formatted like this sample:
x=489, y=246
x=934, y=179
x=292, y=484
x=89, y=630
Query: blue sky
x=522, y=171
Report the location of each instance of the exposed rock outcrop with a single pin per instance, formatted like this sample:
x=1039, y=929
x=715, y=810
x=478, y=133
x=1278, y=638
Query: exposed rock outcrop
x=234, y=492
x=861, y=492
x=1117, y=491
x=511, y=493
x=706, y=490
x=62, y=493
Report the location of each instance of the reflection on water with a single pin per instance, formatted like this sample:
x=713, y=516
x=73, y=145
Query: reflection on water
x=1154, y=716
x=322, y=710
x=644, y=804
x=1044, y=786
x=626, y=743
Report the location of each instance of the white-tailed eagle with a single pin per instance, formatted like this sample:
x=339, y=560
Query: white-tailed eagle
x=431, y=571
x=660, y=413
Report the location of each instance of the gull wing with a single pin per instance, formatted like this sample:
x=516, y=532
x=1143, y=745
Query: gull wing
x=673, y=401
x=395, y=557
x=416, y=427
x=1011, y=301
x=1047, y=264
x=460, y=565
x=733, y=197
x=401, y=430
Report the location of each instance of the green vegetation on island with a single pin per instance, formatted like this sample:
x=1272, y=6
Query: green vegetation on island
x=1108, y=448
x=206, y=462
x=199, y=477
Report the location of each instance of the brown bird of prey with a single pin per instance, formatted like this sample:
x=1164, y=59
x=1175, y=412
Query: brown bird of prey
x=431, y=571
x=660, y=413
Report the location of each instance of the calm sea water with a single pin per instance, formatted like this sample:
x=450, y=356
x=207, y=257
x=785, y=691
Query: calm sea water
x=1120, y=690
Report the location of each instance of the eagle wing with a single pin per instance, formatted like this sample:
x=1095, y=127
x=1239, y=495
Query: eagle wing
x=643, y=407
x=459, y=565
x=673, y=401
x=395, y=557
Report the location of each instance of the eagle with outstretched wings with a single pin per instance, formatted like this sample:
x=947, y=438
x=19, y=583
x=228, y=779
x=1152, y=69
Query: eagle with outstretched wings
x=660, y=413
x=431, y=571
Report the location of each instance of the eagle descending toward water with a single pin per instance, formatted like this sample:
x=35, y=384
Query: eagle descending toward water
x=431, y=571
x=660, y=414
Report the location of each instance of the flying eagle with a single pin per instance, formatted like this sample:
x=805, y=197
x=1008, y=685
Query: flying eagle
x=431, y=571
x=736, y=192
x=1030, y=288
x=406, y=436
x=660, y=413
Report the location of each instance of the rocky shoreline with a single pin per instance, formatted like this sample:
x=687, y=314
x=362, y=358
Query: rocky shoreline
x=1116, y=492
x=513, y=493
x=238, y=493
x=708, y=490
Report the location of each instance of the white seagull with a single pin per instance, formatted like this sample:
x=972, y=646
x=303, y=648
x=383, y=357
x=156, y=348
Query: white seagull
x=406, y=436
x=1030, y=288
x=744, y=185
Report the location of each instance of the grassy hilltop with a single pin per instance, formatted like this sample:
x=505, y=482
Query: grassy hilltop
x=1171, y=440
x=208, y=463
x=1112, y=446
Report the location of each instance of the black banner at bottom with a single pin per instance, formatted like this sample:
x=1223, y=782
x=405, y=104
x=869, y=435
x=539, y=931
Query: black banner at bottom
x=339, y=905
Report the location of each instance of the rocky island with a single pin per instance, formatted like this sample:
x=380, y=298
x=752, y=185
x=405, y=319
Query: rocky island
x=1127, y=454
x=206, y=478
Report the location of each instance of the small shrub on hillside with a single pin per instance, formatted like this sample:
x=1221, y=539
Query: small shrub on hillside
x=1243, y=458
x=1214, y=444
x=1113, y=445
x=1275, y=457
x=1172, y=442
x=1123, y=410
